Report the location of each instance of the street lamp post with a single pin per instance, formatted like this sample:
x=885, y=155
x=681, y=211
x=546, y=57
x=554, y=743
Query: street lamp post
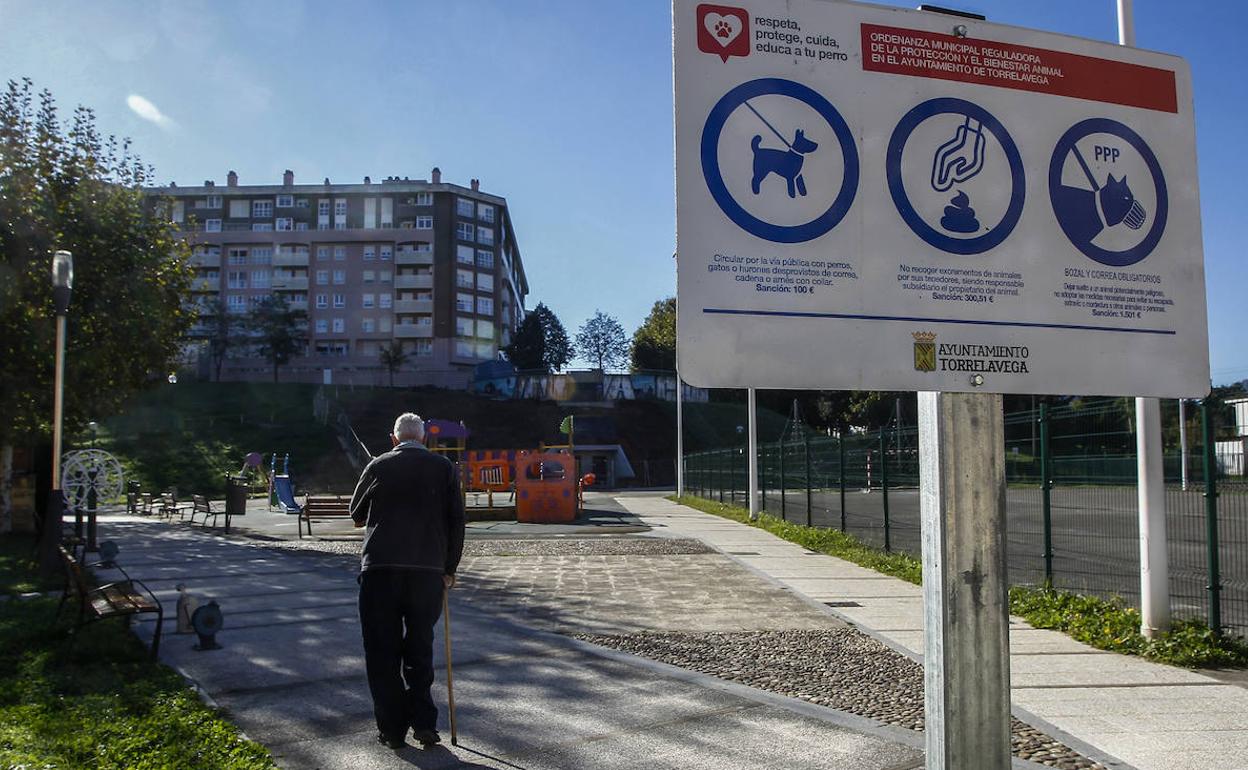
x=62, y=284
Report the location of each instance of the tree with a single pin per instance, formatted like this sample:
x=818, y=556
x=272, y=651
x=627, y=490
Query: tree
x=540, y=342
x=654, y=342
x=527, y=348
x=223, y=333
x=64, y=186
x=280, y=333
x=601, y=340
x=558, y=348
x=393, y=357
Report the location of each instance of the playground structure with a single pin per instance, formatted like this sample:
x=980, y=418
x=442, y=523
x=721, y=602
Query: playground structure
x=548, y=490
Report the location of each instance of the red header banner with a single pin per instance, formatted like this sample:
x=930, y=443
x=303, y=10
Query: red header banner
x=945, y=57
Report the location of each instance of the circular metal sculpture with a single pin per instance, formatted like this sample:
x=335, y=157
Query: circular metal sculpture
x=84, y=471
x=207, y=621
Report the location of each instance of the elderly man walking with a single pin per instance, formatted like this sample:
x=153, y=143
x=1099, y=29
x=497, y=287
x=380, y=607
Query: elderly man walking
x=409, y=500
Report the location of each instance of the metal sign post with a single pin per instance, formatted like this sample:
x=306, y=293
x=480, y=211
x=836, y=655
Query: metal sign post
x=966, y=653
x=752, y=449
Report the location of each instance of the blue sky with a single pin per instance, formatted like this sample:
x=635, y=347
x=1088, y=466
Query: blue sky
x=562, y=107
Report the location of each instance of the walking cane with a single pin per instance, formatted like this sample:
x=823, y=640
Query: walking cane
x=450, y=681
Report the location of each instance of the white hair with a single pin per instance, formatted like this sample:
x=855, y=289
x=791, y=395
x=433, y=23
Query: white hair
x=409, y=427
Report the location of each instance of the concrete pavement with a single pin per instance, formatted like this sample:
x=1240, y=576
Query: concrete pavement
x=1113, y=708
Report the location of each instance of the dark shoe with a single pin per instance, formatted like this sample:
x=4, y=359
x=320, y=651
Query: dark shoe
x=393, y=743
x=426, y=738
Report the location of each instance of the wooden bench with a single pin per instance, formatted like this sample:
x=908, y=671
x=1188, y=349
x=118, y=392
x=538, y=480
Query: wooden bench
x=323, y=508
x=112, y=600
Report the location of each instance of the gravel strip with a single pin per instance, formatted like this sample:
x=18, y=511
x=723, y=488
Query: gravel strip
x=545, y=546
x=842, y=668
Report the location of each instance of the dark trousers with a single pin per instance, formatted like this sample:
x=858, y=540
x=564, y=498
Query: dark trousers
x=398, y=609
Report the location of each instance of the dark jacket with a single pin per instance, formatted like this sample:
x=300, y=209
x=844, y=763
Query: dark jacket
x=409, y=498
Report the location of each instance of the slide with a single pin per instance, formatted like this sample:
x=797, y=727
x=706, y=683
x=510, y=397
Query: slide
x=286, y=494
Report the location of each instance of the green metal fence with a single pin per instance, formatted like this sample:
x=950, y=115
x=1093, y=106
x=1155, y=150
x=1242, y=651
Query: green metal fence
x=1072, y=516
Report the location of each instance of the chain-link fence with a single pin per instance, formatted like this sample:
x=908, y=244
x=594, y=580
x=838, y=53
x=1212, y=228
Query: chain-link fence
x=1072, y=515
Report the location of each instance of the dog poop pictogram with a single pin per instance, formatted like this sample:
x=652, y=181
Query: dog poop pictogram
x=960, y=217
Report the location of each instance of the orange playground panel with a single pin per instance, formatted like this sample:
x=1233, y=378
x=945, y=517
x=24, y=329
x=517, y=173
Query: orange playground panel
x=546, y=487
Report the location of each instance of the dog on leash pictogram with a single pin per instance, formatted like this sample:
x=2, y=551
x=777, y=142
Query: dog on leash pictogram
x=723, y=31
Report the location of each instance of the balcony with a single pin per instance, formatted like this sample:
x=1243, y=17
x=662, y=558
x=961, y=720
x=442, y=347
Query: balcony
x=413, y=331
x=291, y=283
x=413, y=306
x=288, y=259
x=413, y=258
x=413, y=281
x=298, y=303
x=206, y=284
x=205, y=260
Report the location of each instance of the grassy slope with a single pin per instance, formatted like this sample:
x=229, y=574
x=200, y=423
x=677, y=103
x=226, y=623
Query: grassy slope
x=102, y=703
x=192, y=434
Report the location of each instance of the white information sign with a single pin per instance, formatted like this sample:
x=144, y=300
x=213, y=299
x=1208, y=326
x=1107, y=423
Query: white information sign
x=875, y=198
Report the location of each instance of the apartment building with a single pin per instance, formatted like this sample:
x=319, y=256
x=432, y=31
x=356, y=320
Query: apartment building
x=432, y=265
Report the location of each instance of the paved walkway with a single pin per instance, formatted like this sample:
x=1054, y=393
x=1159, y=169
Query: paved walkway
x=291, y=671
x=1113, y=708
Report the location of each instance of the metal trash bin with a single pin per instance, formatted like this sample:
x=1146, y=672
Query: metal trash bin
x=236, y=488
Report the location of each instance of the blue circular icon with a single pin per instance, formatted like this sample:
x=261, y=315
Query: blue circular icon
x=719, y=191
x=896, y=186
x=1084, y=213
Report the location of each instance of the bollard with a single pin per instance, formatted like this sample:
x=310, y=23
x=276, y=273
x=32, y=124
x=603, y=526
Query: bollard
x=1211, y=521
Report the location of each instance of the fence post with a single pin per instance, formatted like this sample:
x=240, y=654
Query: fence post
x=888, y=540
x=809, y=498
x=1046, y=486
x=840, y=451
x=784, y=482
x=720, y=474
x=762, y=477
x=1211, y=520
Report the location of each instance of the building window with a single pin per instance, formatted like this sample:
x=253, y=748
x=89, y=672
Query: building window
x=259, y=279
x=384, y=276
x=424, y=320
x=485, y=282
x=466, y=231
x=485, y=212
x=485, y=329
x=370, y=252
x=340, y=326
x=212, y=225
x=262, y=227
x=322, y=301
x=366, y=300
x=384, y=300
x=341, y=225
x=485, y=350
x=369, y=326
x=383, y=324
x=211, y=202
x=340, y=301
x=322, y=253
x=463, y=303
x=322, y=326
x=322, y=277
x=369, y=276
x=387, y=252
x=236, y=279
x=463, y=349
x=485, y=258
x=301, y=226
x=285, y=224
x=261, y=209
x=485, y=306
x=424, y=247
x=463, y=254
x=238, y=209
x=302, y=203
x=322, y=208
x=424, y=199
x=340, y=277
x=238, y=256
x=340, y=207
x=464, y=327
x=465, y=208
x=236, y=303
x=424, y=223
x=463, y=279
x=340, y=253
x=285, y=201
x=485, y=235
